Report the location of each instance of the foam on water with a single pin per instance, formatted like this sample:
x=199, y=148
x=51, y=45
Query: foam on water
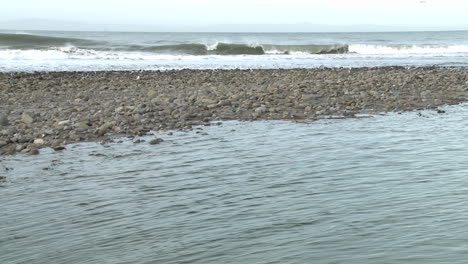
x=397, y=50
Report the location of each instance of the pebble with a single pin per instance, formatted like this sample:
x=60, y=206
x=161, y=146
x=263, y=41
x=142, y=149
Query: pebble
x=156, y=141
x=4, y=120
x=33, y=151
x=39, y=141
x=27, y=118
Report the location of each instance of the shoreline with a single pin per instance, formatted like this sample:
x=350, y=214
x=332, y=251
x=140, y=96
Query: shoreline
x=52, y=109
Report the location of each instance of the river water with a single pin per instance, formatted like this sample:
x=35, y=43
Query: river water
x=387, y=189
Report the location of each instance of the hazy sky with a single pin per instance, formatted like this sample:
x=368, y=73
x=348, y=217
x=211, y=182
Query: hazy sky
x=378, y=12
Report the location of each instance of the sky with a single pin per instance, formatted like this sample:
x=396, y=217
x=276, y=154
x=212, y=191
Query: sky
x=212, y=12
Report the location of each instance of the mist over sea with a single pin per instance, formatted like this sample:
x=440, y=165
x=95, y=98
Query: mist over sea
x=90, y=51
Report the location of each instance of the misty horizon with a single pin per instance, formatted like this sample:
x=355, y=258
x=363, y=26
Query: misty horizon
x=76, y=25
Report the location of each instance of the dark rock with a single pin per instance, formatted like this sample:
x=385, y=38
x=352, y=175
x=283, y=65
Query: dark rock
x=4, y=120
x=33, y=151
x=58, y=148
x=25, y=139
x=9, y=150
x=156, y=141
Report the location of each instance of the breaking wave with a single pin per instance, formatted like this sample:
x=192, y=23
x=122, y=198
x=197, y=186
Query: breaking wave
x=35, y=42
x=27, y=46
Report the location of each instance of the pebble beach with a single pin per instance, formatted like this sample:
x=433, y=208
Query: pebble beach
x=53, y=109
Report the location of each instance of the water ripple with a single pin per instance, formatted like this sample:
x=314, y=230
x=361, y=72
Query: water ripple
x=390, y=189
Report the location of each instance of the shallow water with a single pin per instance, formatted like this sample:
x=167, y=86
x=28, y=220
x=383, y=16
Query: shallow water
x=388, y=189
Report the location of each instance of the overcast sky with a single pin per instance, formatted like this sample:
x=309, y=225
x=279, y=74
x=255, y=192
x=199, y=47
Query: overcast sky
x=170, y=12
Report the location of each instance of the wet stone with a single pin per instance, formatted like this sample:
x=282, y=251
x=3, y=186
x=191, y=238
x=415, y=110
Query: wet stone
x=156, y=141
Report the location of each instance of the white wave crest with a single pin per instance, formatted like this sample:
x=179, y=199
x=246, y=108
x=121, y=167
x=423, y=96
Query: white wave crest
x=407, y=49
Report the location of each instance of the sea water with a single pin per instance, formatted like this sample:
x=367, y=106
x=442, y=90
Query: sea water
x=386, y=189
x=91, y=51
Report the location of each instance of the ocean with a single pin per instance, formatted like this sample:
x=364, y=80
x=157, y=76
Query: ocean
x=93, y=51
x=386, y=189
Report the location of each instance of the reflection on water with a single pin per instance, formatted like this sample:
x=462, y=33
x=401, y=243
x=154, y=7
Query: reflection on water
x=390, y=189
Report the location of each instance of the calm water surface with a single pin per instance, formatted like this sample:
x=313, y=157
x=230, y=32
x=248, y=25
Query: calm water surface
x=389, y=189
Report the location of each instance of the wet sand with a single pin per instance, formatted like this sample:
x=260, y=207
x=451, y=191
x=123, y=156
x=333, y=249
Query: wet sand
x=53, y=109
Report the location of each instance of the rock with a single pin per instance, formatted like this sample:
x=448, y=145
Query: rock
x=9, y=150
x=180, y=102
x=152, y=93
x=63, y=123
x=81, y=125
x=24, y=139
x=27, y=118
x=260, y=110
x=102, y=130
x=58, y=147
x=119, y=109
x=156, y=141
x=3, y=143
x=9, y=132
x=4, y=120
x=33, y=151
x=19, y=148
x=39, y=141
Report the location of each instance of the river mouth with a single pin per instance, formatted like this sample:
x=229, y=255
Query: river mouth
x=384, y=189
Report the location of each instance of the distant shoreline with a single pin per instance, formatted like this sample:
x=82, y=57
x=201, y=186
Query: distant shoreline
x=52, y=109
x=60, y=25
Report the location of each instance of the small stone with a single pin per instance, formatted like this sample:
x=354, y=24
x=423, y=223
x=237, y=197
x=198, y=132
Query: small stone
x=24, y=139
x=260, y=110
x=48, y=132
x=156, y=141
x=33, y=151
x=102, y=130
x=152, y=93
x=180, y=102
x=39, y=141
x=81, y=125
x=4, y=120
x=63, y=123
x=58, y=148
x=9, y=150
x=7, y=133
x=27, y=118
